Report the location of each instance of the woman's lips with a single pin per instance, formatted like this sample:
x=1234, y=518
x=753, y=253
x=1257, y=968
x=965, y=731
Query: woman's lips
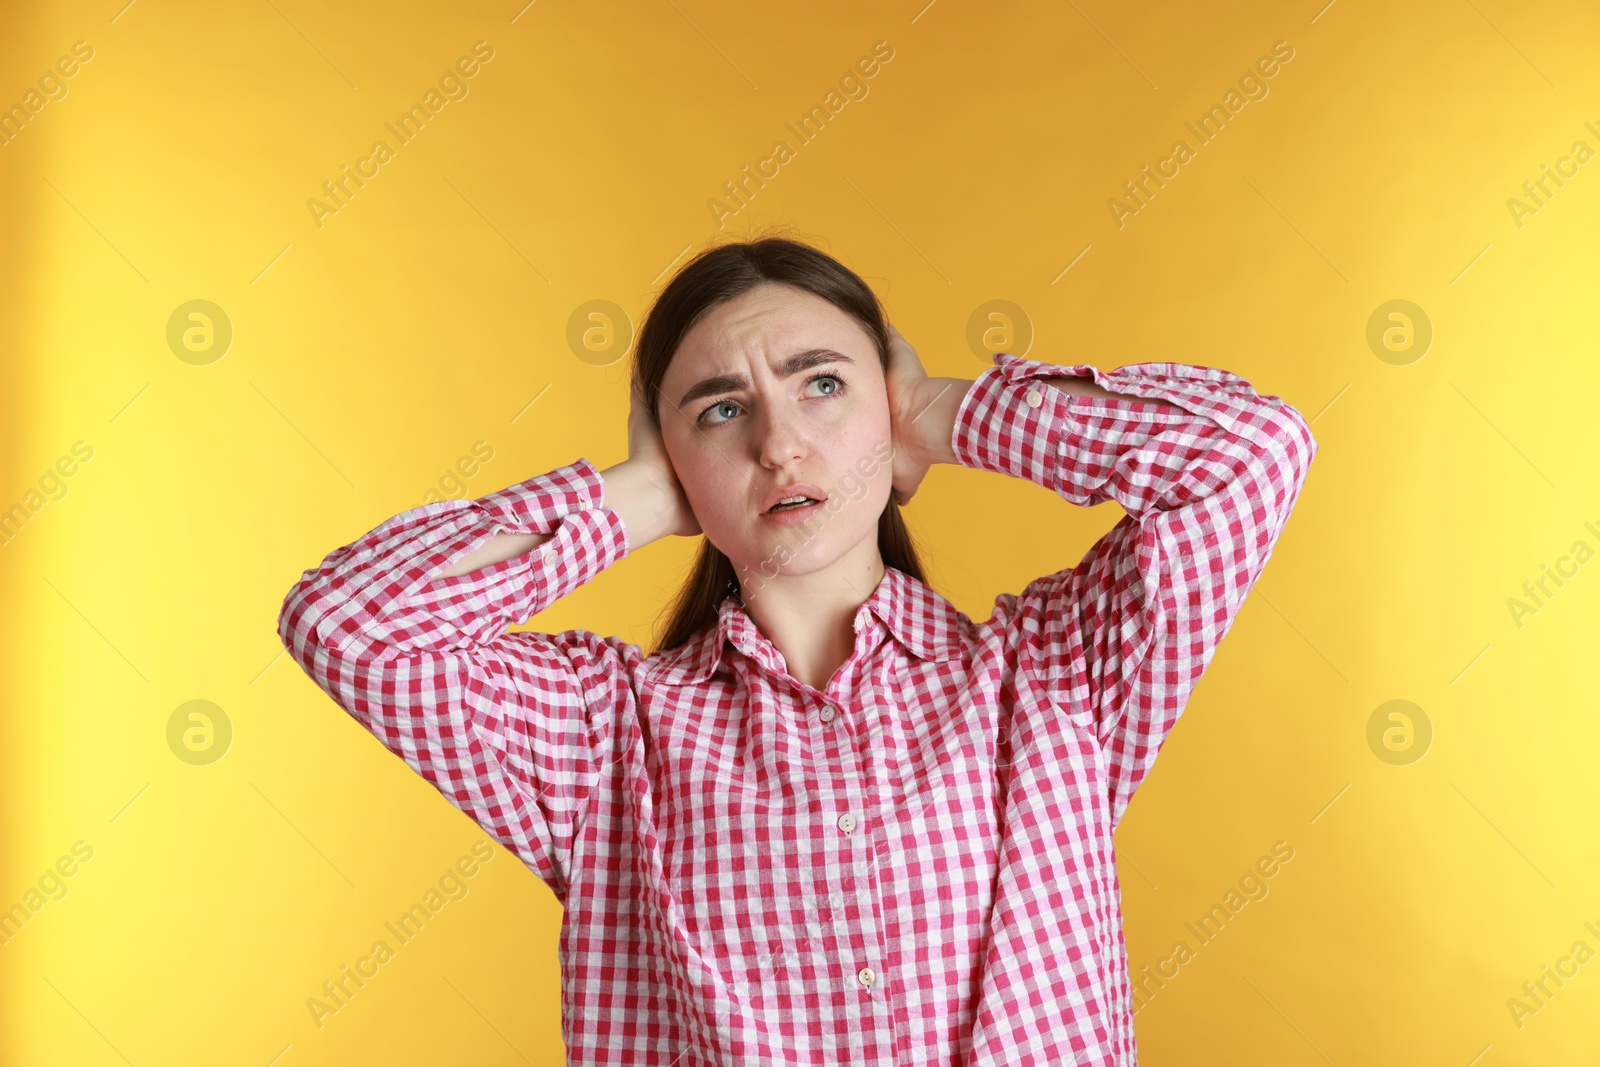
x=791, y=516
x=779, y=493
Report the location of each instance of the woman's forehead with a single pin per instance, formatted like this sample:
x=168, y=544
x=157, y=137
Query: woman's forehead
x=761, y=327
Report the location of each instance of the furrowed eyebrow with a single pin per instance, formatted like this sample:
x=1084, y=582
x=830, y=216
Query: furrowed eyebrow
x=727, y=383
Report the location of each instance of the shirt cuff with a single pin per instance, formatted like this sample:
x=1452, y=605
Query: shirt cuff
x=567, y=503
x=536, y=505
x=1004, y=422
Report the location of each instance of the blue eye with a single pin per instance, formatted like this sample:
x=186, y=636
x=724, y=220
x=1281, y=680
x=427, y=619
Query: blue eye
x=833, y=377
x=835, y=391
x=719, y=404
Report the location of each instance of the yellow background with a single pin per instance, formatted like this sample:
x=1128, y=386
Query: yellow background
x=371, y=353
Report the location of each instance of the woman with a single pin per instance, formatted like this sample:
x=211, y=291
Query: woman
x=830, y=819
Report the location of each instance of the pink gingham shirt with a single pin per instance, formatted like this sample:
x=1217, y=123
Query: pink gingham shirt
x=911, y=866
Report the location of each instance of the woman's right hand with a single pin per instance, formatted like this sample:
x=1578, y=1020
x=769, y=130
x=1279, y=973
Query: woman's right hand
x=647, y=450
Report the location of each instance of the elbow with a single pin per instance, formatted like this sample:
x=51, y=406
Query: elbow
x=1276, y=451
x=1297, y=442
x=1287, y=450
x=301, y=621
x=293, y=631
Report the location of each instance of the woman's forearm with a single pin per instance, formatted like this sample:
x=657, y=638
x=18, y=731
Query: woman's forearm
x=937, y=422
x=1087, y=387
x=635, y=492
x=501, y=546
x=629, y=491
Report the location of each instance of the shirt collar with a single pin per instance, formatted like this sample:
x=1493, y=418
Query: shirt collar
x=924, y=622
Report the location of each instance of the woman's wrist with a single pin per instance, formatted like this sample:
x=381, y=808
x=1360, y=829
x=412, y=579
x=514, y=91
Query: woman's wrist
x=933, y=421
x=634, y=491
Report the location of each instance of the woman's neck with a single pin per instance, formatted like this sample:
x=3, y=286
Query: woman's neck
x=810, y=618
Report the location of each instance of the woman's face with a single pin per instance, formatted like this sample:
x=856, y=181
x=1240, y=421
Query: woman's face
x=824, y=421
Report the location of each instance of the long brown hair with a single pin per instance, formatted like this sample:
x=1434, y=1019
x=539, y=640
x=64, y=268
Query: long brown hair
x=712, y=277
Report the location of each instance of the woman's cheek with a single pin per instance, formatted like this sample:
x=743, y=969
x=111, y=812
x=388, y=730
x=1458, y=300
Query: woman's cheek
x=712, y=495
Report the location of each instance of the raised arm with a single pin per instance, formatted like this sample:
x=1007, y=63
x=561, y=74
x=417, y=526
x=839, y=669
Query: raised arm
x=1207, y=471
x=496, y=722
x=405, y=628
x=632, y=490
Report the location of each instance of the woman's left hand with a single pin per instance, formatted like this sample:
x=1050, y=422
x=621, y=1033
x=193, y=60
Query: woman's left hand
x=907, y=382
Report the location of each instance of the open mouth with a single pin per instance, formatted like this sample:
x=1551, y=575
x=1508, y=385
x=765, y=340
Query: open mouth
x=794, y=504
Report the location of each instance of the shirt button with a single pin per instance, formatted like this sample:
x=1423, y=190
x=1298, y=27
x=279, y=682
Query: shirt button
x=827, y=713
x=847, y=822
x=866, y=977
x=1035, y=398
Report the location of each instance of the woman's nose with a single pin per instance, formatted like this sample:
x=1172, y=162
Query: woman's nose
x=782, y=440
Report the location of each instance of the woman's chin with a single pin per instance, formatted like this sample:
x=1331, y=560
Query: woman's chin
x=781, y=558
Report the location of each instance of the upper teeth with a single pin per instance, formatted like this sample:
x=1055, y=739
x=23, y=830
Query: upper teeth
x=791, y=500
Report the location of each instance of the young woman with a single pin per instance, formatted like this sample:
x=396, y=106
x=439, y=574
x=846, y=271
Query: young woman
x=830, y=819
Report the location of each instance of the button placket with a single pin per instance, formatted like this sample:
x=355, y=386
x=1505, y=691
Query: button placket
x=860, y=931
x=868, y=934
